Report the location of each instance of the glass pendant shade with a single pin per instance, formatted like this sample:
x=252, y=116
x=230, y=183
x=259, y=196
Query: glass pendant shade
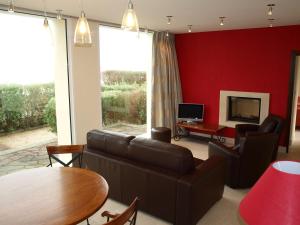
x=47, y=35
x=130, y=21
x=82, y=37
x=46, y=23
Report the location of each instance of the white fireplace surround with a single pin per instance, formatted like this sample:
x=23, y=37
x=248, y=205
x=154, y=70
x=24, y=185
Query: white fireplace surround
x=224, y=104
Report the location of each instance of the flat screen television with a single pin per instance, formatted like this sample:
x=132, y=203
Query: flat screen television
x=190, y=112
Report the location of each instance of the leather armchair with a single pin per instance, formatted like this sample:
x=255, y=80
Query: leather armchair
x=272, y=124
x=247, y=161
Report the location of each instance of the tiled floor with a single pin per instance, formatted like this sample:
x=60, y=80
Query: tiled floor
x=224, y=212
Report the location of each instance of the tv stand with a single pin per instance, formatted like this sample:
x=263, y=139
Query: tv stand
x=189, y=122
x=184, y=129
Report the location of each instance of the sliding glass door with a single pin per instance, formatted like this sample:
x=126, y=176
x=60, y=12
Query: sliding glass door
x=125, y=66
x=33, y=86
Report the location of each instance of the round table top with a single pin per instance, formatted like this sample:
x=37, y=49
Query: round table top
x=51, y=196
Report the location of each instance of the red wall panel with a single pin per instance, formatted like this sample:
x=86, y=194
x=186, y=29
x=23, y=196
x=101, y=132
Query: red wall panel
x=256, y=60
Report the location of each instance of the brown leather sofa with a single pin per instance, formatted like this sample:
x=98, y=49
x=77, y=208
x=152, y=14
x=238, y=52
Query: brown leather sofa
x=170, y=183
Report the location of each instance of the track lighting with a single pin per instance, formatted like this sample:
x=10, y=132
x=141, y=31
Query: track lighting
x=222, y=20
x=11, y=7
x=190, y=28
x=59, y=14
x=169, y=18
x=130, y=21
x=270, y=10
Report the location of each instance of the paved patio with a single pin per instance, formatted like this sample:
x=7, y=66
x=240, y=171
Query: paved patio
x=130, y=129
x=12, y=161
x=25, y=150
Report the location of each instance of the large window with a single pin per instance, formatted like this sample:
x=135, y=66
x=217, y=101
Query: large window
x=32, y=64
x=125, y=64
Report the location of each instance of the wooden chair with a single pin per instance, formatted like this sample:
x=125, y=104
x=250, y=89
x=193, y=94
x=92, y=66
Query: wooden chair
x=75, y=150
x=129, y=215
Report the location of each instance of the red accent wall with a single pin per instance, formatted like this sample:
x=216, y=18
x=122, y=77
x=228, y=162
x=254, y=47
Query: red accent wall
x=256, y=60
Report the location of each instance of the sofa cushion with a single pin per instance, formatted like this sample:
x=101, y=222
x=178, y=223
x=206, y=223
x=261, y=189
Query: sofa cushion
x=109, y=142
x=161, y=154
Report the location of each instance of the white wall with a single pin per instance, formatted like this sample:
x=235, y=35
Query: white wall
x=84, y=84
x=61, y=83
x=295, y=100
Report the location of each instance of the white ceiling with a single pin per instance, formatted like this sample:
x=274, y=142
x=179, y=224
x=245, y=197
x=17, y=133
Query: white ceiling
x=202, y=14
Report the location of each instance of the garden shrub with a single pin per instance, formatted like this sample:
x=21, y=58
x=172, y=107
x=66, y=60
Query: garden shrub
x=124, y=103
x=141, y=107
x=50, y=115
x=111, y=77
x=22, y=107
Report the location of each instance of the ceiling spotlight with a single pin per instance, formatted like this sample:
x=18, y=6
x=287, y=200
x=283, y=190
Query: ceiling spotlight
x=271, y=21
x=169, y=19
x=11, y=7
x=270, y=10
x=222, y=20
x=59, y=14
x=190, y=28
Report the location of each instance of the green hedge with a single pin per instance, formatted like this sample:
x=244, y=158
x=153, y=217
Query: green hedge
x=124, y=106
x=123, y=100
x=113, y=77
x=23, y=107
x=50, y=115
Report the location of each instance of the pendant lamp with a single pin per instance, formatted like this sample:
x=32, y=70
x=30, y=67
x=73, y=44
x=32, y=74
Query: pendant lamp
x=130, y=21
x=82, y=37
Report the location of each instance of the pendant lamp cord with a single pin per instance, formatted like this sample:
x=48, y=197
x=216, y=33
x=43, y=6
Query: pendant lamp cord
x=45, y=8
x=81, y=5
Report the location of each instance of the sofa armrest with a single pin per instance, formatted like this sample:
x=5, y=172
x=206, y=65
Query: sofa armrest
x=232, y=157
x=215, y=148
x=242, y=128
x=199, y=190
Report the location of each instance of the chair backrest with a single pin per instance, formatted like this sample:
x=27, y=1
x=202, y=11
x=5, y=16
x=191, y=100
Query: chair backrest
x=62, y=149
x=129, y=215
x=272, y=124
x=256, y=151
x=75, y=150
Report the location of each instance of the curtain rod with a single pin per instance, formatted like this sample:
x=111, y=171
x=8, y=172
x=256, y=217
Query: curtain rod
x=53, y=15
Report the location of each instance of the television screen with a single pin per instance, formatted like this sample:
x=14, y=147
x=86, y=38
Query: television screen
x=190, y=112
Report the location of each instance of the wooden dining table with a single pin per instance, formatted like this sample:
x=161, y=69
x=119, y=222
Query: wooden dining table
x=50, y=196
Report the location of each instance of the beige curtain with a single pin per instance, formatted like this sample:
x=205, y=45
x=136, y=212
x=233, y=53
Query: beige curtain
x=166, y=86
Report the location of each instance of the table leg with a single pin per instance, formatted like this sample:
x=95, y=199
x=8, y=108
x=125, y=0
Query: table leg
x=179, y=133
